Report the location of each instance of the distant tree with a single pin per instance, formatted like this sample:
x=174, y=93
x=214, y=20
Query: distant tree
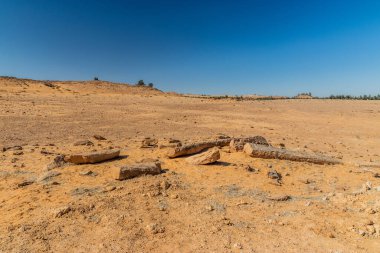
x=361, y=97
x=140, y=83
x=150, y=85
x=304, y=94
x=8, y=77
x=96, y=78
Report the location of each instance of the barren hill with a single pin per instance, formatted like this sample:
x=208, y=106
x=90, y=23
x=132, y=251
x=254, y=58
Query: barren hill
x=83, y=87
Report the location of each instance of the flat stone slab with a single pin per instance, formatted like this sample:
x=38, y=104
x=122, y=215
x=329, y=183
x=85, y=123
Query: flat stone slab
x=94, y=157
x=136, y=170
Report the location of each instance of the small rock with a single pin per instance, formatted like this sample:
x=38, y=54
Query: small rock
x=85, y=191
x=99, y=137
x=25, y=183
x=154, y=228
x=173, y=196
x=165, y=185
x=274, y=175
x=174, y=141
x=306, y=181
x=209, y=208
x=221, y=136
x=238, y=246
x=370, y=211
x=250, y=169
x=149, y=143
x=18, y=152
x=371, y=230
x=14, y=148
x=279, y=198
x=58, y=162
x=62, y=211
x=88, y=173
x=367, y=186
x=45, y=152
x=48, y=175
x=109, y=188
x=51, y=183
x=162, y=206
x=84, y=143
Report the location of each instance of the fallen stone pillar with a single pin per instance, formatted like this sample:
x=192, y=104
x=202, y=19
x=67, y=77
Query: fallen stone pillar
x=94, y=157
x=268, y=152
x=197, y=147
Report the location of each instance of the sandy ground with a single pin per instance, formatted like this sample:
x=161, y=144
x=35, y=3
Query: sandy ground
x=209, y=208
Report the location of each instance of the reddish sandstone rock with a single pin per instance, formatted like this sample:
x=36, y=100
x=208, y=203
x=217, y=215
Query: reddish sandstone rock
x=136, y=170
x=94, y=157
x=207, y=157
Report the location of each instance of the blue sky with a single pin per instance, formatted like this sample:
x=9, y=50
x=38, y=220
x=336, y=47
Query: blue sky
x=206, y=47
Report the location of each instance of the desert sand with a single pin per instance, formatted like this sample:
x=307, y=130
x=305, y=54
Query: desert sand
x=228, y=206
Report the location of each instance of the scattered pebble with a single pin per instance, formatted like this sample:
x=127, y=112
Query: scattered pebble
x=99, y=137
x=84, y=143
x=279, y=198
x=155, y=228
x=25, y=183
x=48, y=176
x=165, y=185
x=109, y=188
x=88, y=173
x=62, y=211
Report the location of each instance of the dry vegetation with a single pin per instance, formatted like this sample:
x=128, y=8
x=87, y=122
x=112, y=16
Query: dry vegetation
x=239, y=201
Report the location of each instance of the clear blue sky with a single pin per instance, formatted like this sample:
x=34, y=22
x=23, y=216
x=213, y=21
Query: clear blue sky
x=207, y=47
